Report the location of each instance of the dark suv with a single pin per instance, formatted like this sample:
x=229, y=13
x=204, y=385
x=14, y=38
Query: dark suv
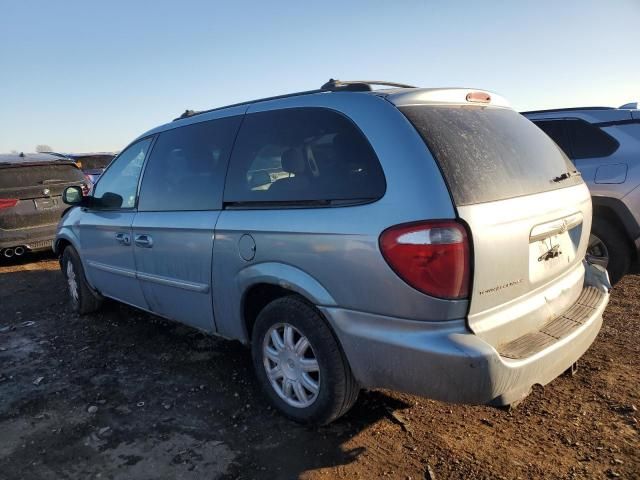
x=31, y=186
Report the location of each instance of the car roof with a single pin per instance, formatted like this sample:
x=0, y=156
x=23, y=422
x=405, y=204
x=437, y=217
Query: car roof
x=398, y=94
x=26, y=158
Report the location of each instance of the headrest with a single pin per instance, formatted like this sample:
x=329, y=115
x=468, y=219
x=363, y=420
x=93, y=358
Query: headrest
x=293, y=161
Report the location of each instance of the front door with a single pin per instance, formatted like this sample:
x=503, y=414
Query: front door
x=105, y=228
x=173, y=231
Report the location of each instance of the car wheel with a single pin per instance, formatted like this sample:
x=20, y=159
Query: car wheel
x=83, y=299
x=299, y=363
x=609, y=248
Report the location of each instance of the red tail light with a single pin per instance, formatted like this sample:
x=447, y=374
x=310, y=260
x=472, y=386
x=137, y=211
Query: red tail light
x=8, y=202
x=432, y=257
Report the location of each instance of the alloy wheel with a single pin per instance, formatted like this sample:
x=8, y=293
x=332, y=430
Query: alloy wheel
x=291, y=365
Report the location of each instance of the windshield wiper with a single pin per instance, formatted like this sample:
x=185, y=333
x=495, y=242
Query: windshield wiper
x=565, y=176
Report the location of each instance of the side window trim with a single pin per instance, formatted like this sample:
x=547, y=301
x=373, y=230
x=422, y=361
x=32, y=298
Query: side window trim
x=144, y=165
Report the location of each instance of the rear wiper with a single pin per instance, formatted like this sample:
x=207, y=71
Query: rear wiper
x=565, y=176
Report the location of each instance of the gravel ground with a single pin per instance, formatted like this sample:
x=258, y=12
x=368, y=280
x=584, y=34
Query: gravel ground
x=122, y=394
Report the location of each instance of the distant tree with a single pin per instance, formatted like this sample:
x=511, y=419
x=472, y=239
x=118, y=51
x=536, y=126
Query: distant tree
x=43, y=148
x=14, y=152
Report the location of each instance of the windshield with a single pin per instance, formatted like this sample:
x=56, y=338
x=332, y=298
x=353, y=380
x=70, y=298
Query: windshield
x=488, y=153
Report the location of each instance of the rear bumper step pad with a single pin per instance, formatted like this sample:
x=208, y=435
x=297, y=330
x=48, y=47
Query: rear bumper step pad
x=554, y=330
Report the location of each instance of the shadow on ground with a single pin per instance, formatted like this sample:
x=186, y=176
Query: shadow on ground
x=125, y=394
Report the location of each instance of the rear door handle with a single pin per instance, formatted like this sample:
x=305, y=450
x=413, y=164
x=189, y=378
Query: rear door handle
x=144, y=241
x=123, y=238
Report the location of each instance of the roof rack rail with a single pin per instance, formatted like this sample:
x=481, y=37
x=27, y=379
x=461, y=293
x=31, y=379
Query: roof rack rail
x=331, y=86
x=334, y=85
x=190, y=113
x=570, y=109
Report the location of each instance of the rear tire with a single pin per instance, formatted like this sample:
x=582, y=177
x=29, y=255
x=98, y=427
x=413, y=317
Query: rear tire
x=333, y=388
x=616, y=245
x=82, y=297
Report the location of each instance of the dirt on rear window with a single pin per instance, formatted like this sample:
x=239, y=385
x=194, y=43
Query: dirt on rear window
x=489, y=153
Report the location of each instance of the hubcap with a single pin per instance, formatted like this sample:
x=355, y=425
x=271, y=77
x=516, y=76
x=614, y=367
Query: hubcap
x=291, y=365
x=598, y=251
x=72, y=282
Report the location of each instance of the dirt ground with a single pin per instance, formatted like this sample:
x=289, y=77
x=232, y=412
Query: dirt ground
x=122, y=394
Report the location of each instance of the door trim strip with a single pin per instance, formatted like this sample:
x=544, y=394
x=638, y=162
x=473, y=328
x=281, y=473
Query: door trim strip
x=111, y=269
x=171, y=282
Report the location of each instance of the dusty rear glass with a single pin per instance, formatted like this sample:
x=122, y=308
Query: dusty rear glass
x=36, y=175
x=488, y=153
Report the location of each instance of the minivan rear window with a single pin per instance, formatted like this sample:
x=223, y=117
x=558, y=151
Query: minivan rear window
x=37, y=175
x=488, y=153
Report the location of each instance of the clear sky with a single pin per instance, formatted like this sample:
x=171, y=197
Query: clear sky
x=82, y=75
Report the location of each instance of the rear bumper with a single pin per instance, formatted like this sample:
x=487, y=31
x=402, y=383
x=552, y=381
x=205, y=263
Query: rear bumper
x=445, y=361
x=34, y=238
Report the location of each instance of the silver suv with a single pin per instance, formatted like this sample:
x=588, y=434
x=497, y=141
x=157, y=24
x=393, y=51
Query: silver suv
x=604, y=144
x=425, y=240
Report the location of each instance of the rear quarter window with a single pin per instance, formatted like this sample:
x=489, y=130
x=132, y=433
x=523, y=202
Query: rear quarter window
x=556, y=131
x=588, y=141
x=488, y=153
x=302, y=155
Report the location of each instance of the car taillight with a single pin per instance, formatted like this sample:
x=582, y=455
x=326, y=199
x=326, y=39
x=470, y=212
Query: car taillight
x=86, y=189
x=432, y=257
x=8, y=202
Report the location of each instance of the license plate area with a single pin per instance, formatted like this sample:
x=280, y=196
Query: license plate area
x=550, y=256
x=45, y=203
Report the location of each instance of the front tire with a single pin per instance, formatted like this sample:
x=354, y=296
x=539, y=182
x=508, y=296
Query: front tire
x=299, y=363
x=83, y=299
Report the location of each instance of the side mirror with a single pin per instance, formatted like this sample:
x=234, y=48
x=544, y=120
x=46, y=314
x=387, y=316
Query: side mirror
x=110, y=201
x=72, y=196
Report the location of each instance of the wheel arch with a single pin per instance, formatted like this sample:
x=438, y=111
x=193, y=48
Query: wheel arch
x=262, y=283
x=62, y=241
x=616, y=212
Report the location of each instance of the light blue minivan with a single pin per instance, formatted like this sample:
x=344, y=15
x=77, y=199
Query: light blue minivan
x=425, y=240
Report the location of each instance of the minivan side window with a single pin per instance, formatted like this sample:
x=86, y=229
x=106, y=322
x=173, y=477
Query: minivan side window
x=187, y=167
x=297, y=155
x=118, y=185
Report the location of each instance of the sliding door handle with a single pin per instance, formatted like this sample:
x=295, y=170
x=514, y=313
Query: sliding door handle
x=144, y=241
x=123, y=238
